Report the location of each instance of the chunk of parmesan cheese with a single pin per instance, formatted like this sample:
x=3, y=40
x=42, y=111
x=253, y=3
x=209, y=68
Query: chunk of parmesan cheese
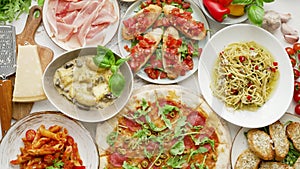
x=28, y=83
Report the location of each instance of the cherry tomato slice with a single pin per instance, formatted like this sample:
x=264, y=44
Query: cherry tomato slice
x=296, y=97
x=296, y=73
x=297, y=109
x=290, y=51
x=296, y=86
x=293, y=61
x=296, y=47
x=30, y=134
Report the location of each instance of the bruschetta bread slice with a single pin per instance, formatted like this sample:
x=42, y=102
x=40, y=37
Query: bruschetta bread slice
x=280, y=140
x=293, y=133
x=274, y=165
x=260, y=144
x=140, y=22
x=142, y=51
x=247, y=160
x=184, y=22
x=171, y=58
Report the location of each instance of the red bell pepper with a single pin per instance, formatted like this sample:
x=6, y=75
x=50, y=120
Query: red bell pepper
x=225, y=3
x=216, y=10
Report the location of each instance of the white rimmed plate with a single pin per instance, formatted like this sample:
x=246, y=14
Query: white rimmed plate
x=228, y=20
x=109, y=31
x=281, y=97
x=240, y=143
x=12, y=141
x=197, y=15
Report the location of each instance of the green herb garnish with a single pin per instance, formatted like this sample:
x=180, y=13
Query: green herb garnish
x=105, y=58
x=57, y=164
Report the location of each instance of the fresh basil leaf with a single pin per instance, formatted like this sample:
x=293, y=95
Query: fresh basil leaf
x=117, y=84
x=177, y=148
x=268, y=1
x=121, y=61
x=259, y=3
x=104, y=57
x=256, y=14
x=242, y=2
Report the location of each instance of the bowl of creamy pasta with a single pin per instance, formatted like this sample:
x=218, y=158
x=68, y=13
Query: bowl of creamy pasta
x=89, y=84
x=246, y=76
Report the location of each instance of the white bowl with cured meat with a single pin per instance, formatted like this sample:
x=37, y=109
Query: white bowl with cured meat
x=75, y=24
x=161, y=49
x=247, y=79
x=45, y=139
x=78, y=85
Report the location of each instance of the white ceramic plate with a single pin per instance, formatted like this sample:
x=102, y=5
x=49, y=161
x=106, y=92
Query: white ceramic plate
x=109, y=32
x=12, y=141
x=197, y=15
x=71, y=110
x=228, y=20
x=280, y=99
x=240, y=142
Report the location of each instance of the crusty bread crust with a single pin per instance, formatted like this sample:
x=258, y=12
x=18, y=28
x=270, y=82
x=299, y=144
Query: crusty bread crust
x=293, y=132
x=155, y=11
x=167, y=10
x=280, y=140
x=274, y=165
x=260, y=144
x=247, y=160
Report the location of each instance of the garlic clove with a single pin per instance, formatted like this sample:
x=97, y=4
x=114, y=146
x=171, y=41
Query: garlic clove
x=287, y=30
x=285, y=17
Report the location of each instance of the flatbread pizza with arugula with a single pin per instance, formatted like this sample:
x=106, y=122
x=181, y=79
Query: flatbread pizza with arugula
x=164, y=127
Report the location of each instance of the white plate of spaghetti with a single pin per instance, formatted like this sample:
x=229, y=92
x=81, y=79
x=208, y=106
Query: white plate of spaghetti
x=246, y=79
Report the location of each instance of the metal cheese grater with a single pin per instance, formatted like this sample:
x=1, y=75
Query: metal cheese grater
x=7, y=51
x=7, y=68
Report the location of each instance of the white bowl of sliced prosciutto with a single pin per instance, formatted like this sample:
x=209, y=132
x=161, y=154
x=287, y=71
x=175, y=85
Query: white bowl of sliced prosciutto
x=75, y=24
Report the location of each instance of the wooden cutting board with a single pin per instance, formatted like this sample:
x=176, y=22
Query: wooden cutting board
x=20, y=110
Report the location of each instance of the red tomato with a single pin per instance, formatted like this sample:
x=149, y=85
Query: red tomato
x=296, y=86
x=296, y=73
x=297, y=109
x=290, y=51
x=242, y=58
x=296, y=47
x=30, y=134
x=79, y=167
x=296, y=97
x=293, y=61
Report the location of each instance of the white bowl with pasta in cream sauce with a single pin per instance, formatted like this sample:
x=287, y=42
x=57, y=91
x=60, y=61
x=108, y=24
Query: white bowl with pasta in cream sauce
x=80, y=89
x=280, y=96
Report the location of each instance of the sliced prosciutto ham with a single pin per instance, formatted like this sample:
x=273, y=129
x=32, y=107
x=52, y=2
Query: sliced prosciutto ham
x=78, y=23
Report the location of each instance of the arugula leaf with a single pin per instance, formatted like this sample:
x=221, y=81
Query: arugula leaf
x=10, y=10
x=128, y=166
x=176, y=162
x=105, y=58
x=177, y=148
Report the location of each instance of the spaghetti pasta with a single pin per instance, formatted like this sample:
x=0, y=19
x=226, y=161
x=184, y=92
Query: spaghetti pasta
x=245, y=75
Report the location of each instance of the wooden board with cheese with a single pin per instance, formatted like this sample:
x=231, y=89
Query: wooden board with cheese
x=21, y=109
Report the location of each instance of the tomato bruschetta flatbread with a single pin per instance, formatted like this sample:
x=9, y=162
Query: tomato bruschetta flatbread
x=184, y=22
x=140, y=22
x=171, y=58
x=164, y=127
x=140, y=53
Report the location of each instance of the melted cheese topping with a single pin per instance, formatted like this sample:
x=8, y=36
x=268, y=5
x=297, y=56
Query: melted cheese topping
x=28, y=83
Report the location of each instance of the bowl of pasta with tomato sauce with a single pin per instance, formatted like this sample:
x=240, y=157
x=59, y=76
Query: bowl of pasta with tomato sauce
x=48, y=140
x=247, y=79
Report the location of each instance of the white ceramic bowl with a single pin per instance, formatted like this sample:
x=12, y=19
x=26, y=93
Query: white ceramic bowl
x=12, y=141
x=71, y=110
x=281, y=97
